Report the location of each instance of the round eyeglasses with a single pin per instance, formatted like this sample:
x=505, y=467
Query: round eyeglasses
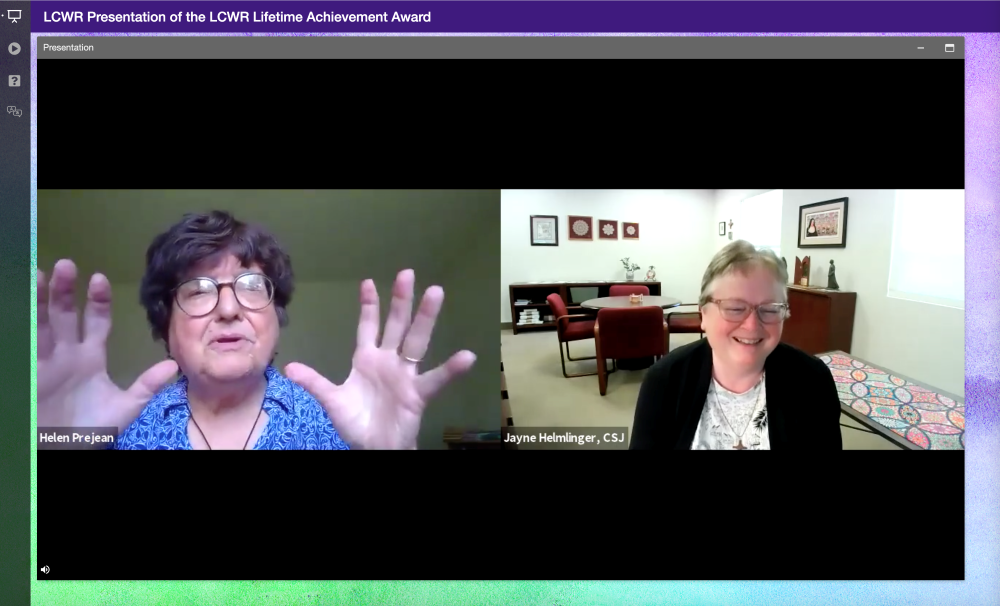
x=735, y=310
x=200, y=296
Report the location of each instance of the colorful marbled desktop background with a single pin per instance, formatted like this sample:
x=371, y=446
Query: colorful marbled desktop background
x=982, y=508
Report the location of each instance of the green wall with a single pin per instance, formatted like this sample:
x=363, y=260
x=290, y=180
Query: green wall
x=336, y=240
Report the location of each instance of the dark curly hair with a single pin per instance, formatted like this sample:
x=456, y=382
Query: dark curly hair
x=200, y=237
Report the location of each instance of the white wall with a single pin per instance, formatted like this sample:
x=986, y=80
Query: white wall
x=925, y=342
x=676, y=235
x=727, y=207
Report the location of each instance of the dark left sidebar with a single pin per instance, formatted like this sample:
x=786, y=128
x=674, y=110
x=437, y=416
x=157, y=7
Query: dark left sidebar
x=16, y=226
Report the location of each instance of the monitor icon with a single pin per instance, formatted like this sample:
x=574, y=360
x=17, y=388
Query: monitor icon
x=14, y=15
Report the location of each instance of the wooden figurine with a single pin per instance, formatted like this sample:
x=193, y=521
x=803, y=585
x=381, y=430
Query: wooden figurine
x=797, y=280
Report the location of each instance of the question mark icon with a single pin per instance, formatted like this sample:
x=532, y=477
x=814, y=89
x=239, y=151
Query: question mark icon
x=15, y=80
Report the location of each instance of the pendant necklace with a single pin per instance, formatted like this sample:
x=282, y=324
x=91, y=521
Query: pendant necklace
x=739, y=439
x=203, y=437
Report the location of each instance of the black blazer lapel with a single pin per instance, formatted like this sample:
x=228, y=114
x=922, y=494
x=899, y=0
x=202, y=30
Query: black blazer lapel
x=698, y=377
x=774, y=379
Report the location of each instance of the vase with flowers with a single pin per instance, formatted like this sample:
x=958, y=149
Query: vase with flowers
x=629, y=269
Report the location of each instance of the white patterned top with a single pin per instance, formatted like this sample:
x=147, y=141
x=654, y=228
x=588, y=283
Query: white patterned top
x=742, y=410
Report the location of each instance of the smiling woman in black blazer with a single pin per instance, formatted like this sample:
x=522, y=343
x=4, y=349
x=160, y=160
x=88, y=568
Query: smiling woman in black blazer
x=740, y=388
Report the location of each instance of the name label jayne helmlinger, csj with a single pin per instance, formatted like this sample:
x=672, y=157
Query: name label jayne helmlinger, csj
x=76, y=438
x=566, y=438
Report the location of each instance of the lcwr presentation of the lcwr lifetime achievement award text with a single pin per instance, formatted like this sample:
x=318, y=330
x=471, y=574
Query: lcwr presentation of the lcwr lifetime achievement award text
x=233, y=17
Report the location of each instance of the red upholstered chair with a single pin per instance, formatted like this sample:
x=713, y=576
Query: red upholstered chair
x=684, y=322
x=624, y=290
x=575, y=327
x=628, y=332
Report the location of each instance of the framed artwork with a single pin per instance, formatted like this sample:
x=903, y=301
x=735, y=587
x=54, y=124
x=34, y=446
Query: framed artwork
x=581, y=228
x=722, y=228
x=607, y=230
x=544, y=230
x=823, y=224
x=630, y=231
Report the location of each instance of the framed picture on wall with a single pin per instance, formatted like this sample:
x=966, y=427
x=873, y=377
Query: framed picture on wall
x=581, y=228
x=722, y=228
x=823, y=224
x=544, y=230
x=607, y=230
x=630, y=231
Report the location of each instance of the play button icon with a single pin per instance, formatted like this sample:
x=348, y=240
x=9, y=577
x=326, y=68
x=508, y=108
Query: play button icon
x=14, y=48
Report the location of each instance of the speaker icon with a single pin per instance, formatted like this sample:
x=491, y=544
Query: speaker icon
x=45, y=569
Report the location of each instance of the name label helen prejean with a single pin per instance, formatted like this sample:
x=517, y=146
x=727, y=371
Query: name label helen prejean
x=566, y=438
x=76, y=438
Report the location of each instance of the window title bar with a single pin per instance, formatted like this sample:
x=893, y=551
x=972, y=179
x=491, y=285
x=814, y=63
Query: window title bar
x=409, y=47
x=571, y=16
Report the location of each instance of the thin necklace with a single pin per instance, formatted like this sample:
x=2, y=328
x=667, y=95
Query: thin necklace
x=739, y=440
x=193, y=420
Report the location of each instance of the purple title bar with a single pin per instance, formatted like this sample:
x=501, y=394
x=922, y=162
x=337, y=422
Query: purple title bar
x=514, y=17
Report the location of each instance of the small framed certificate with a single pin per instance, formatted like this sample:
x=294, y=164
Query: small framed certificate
x=544, y=230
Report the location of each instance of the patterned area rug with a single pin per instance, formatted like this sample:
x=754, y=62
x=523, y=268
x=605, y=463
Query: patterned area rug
x=929, y=420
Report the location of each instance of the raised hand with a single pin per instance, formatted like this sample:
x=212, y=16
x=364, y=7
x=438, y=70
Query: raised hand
x=381, y=403
x=74, y=389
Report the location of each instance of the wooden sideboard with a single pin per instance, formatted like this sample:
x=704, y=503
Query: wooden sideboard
x=506, y=417
x=536, y=292
x=821, y=320
x=457, y=438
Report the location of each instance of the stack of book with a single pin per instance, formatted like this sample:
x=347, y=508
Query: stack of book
x=529, y=316
x=457, y=434
x=464, y=439
x=522, y=302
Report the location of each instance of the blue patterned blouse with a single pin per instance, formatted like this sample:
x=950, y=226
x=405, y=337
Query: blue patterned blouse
x=296, y=420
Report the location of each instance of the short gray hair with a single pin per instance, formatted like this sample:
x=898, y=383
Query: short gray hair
x=741, y=256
